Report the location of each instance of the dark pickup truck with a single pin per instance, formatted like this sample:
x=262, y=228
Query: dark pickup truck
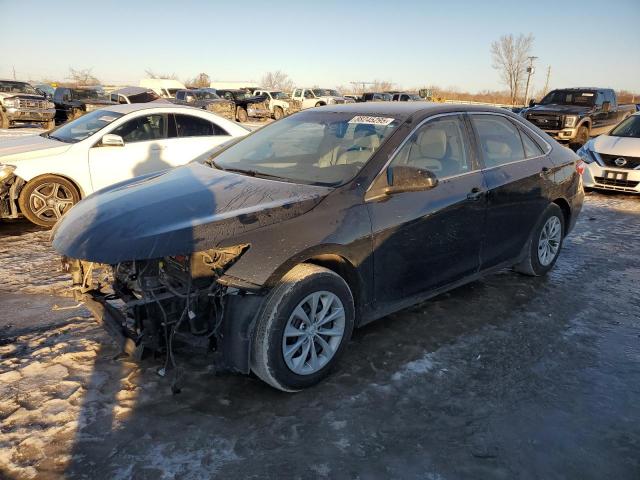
x=246, y=104
x=207, y=99
x=573, y=115
x=73, y=102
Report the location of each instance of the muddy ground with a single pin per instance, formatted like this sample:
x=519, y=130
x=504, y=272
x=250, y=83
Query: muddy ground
x=508, y=377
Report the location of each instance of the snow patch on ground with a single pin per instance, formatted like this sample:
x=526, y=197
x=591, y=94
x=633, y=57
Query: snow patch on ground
x=415, y=368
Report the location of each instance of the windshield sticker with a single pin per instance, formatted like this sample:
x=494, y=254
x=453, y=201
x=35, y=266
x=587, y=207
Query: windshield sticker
x=107, y=119
x=371, y=120
x=587, y=94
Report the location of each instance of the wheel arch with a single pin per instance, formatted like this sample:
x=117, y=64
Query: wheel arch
x=332, y=258
x=566, y=211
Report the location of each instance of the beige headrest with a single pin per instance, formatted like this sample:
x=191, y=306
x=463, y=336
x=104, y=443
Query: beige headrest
x=432, y=143
x=370, y=142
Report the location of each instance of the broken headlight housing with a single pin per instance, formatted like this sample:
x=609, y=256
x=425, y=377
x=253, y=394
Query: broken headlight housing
x=6, y=171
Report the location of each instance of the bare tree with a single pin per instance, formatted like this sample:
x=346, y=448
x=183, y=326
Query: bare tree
x=152, y=74
x=381, y=86
x=509, y=55
x=277, y=80
x=82, y=77
x=202, y=80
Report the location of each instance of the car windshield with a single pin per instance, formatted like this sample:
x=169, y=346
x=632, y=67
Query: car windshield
x=279, y=95
x=414, y=97
x=144, y=97
x=83, y=127
x=325, y=92
x=630, y=127
x=17, y=87
x=319, y=148
x=205, y=95
x=570, y=97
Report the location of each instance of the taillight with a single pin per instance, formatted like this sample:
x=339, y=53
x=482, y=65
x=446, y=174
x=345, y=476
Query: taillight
x=580, y=167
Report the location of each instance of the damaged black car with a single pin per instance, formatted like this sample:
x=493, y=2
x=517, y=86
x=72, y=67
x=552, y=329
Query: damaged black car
x=272, y=250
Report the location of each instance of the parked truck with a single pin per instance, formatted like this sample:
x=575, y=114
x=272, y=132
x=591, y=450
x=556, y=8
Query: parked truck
x=73, y=102
x=279, y=103
x=316, y=97
x=246, y=105
x=573, y=115
x=20, y=102
x=206, y=99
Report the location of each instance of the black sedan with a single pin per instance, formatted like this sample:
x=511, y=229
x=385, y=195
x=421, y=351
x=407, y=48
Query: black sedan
x=272, y=250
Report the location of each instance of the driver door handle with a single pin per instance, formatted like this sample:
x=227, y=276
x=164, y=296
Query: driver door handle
x=476, y=193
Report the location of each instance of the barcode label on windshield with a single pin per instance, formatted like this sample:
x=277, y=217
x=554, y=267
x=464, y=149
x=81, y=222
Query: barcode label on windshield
x=371, y=120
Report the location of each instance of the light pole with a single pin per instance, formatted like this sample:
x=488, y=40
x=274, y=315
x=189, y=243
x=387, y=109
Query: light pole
x=529, y=71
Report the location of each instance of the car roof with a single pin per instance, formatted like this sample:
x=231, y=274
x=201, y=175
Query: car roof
x=406, y=109
x=135, y=107
x=131, y=90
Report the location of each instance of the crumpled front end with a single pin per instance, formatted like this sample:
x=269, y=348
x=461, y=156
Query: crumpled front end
x=223, y=108
x=9, y=191
x=158, y=304
x=258, y=109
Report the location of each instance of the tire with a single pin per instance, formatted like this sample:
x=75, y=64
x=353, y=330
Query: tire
x=278, y=113
x=535, y=263
x=269, y=360
x=241, y=115
x=582, y=137
x=320, y=104
x=44, y=200
x=50, y=125
x=4, y=121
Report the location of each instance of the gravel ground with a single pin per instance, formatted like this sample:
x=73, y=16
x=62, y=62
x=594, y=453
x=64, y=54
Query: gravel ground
x=508, y=377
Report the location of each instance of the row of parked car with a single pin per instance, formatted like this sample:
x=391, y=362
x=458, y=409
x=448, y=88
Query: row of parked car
x=274, y=247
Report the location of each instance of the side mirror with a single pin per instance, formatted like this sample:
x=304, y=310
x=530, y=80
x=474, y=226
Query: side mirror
x=532, y=102
x=409, y=179
x=110, y=140
x=606, y=106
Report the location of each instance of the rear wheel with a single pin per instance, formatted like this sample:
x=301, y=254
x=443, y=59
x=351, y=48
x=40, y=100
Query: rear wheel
x=303, y=329
x=44, y=200
x=241, y=115
x=544, y=244
x=319, y=104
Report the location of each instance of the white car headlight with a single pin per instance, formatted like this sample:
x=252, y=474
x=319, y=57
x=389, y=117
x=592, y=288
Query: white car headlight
x=570, y=121
x=6, y=171
x=11, y=102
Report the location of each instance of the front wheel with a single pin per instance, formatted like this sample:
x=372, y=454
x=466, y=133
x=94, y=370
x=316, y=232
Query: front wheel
x=44, y=200
x=241, y=115
x=303, y=328
x=278, y=113
x=4, y=121
x=544, y=244
x=582, y=137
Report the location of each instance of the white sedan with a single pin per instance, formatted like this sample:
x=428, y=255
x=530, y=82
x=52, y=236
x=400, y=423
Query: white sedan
x=43, y=176
x=613, y=160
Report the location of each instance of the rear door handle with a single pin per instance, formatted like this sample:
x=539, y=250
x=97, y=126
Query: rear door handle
x=475, y=194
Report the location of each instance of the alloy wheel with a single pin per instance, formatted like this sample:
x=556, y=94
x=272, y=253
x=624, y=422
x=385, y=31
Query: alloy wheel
x=549, y=241
x=313, y=333
x=50, y=201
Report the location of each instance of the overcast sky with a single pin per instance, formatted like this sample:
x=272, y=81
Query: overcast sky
x=327, y=43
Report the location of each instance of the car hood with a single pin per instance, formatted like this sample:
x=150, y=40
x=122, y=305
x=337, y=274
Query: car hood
x=30, y=146
x=184, y=210
x=623, y=146
x=563, y=109
x=21, y=95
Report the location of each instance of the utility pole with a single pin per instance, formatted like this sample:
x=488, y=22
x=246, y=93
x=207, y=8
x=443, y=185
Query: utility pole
x=546, y=83
x=14, y=71
x=530, y=72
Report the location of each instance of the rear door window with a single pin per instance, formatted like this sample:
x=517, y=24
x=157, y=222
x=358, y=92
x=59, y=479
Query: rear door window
x=500, y=140
x=190, y=126
x=531, y=148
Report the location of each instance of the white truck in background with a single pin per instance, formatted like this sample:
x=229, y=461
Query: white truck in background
x=165, y=87
x=316, y=97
